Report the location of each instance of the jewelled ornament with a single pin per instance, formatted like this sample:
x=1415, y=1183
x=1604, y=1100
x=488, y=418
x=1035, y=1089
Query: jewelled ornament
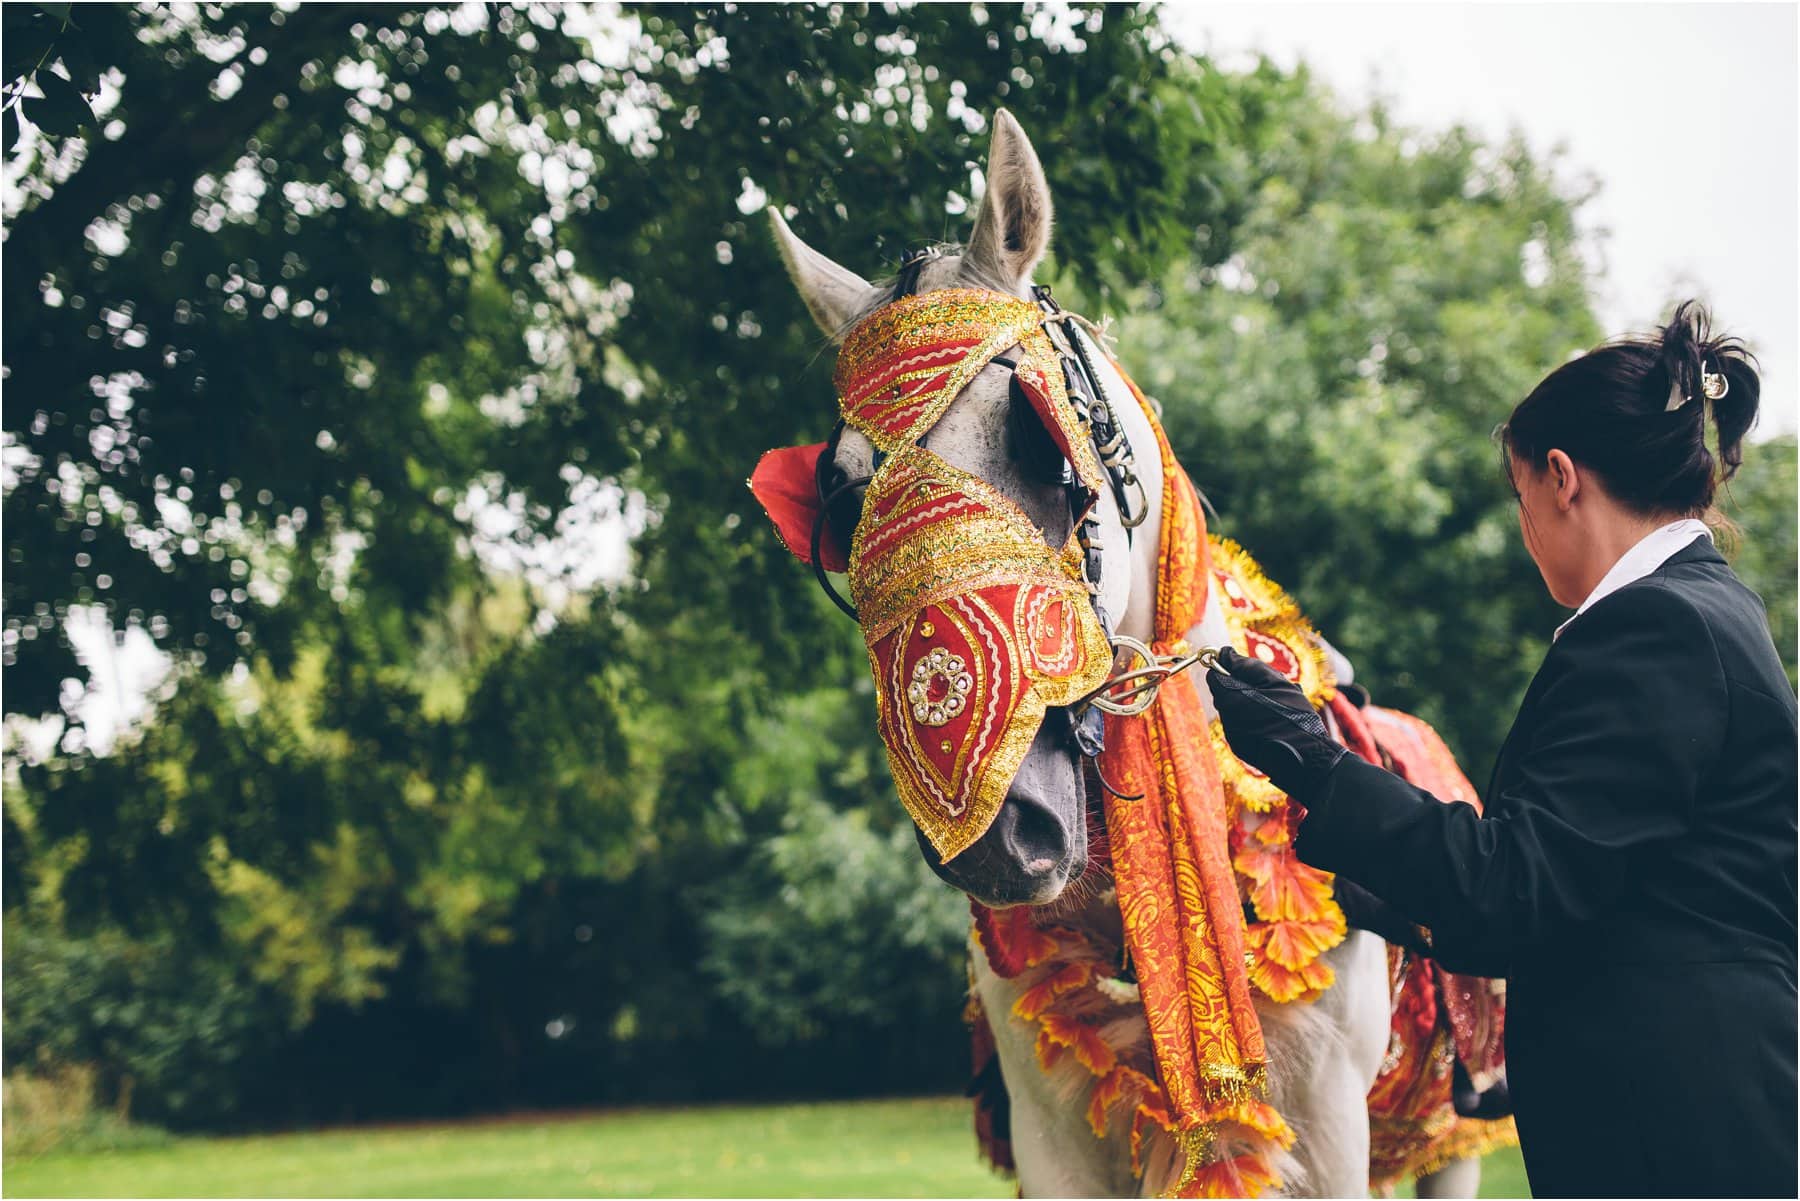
x=940, y=687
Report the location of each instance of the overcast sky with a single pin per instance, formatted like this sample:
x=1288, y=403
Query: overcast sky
x=1686, y=114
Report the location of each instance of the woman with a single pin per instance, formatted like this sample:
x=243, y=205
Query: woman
x=1633, y=877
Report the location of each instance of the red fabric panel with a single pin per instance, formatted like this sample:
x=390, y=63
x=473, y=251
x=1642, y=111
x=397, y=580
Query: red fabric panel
x=786, y=485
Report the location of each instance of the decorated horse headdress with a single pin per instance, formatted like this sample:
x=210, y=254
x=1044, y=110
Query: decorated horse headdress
x=975, y=625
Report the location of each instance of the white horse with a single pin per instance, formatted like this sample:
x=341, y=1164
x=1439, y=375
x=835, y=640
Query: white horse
x=1323, y=1056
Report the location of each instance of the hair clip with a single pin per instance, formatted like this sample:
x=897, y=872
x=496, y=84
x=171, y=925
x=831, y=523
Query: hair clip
x=1713, y=385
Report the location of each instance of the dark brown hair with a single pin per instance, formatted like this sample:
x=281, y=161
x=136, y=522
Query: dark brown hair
x=1609, y=411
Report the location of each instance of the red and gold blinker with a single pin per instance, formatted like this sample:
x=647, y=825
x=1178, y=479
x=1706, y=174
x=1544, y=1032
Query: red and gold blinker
x=974, y=627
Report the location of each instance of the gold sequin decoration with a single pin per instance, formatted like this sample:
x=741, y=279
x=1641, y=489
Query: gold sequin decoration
x=953, y=333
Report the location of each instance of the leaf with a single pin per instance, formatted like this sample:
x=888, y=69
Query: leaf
x=1105, y=1093
x=1122, y=1084
x=1091, y=1051
x=63, y=110
x=1035, y=1000
x=22, y=51
x=77, y=55
x=1279, y=983
x=1285, y=887
x=1296, y=945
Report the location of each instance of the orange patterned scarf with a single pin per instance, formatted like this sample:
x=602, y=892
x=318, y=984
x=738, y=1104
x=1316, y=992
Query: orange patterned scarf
x=1178, y=890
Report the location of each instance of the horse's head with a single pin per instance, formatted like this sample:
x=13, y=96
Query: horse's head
x=943, y=508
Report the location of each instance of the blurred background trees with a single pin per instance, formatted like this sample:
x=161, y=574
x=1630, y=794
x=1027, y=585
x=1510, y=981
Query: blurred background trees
x=395, y=370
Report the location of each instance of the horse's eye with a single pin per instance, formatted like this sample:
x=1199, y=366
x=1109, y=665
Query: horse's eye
x=1030, y=443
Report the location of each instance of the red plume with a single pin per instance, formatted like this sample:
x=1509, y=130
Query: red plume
x=786, y=485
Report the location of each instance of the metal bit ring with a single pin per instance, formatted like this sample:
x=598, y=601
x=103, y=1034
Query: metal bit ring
x=1131, y=692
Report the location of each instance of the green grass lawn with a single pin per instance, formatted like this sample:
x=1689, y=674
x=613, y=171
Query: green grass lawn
x=907, y=1148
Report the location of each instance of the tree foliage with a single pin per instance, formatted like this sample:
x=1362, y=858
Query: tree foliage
x=1762, y=543
x=1333, y=382
x=342, y=306
x=397, y=370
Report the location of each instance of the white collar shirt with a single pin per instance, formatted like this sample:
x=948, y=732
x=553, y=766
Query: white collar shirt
x=1652, y=551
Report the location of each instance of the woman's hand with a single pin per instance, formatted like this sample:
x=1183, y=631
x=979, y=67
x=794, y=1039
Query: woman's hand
x=1271, y=725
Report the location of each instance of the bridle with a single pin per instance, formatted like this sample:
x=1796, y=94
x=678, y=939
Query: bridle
x=1131, y=689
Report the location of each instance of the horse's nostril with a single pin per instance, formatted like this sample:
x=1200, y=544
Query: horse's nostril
x=1034, y=838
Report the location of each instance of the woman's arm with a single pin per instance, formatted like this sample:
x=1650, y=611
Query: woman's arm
x=1632, y=711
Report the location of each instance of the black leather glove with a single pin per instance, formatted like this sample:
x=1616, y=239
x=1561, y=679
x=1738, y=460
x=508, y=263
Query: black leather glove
x=1495, y=1103
x=1271, y=725
x=1363, y=910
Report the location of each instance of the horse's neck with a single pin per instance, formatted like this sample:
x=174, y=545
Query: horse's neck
x=1145, y=543
x=1324, y=1056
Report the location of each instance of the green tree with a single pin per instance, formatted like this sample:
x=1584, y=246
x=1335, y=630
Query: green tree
x=834, y=923
x=1332, y=384
x=172, y=1030
x=1760, y=503
x=325, y=295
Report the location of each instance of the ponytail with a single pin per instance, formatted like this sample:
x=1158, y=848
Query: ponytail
x=1637, y=410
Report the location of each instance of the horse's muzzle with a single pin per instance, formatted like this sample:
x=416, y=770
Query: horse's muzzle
x=1037, y=844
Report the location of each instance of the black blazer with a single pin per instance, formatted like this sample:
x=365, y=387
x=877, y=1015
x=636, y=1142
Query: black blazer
x=1634, y=879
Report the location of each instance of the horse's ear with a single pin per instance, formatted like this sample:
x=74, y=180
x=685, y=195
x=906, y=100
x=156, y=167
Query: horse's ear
x=833, y=294
x=1012, y=229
